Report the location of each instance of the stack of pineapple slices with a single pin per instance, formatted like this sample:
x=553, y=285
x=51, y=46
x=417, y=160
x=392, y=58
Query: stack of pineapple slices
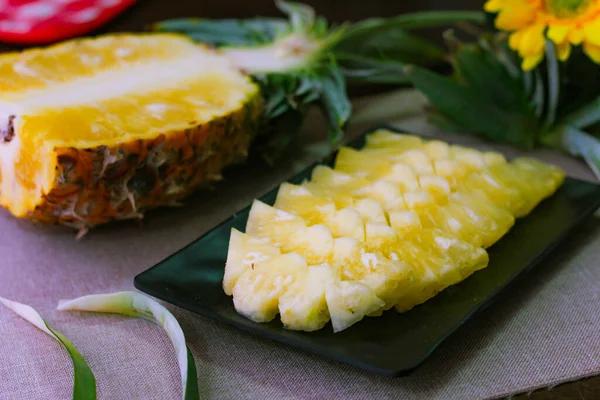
x=390, y=226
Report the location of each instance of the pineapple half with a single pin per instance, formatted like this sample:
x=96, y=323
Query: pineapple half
x=102, y=129
x=391, y=225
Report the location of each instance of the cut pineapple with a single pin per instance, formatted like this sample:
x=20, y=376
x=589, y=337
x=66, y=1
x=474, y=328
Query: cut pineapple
x=391, y=226
x=256, y=293
x=243, y=254
x=303, y=305
x=290, y=233
x=100, y=129
x=315, y=209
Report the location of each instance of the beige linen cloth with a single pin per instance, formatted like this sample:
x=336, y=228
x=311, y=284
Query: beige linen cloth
x=542, y=331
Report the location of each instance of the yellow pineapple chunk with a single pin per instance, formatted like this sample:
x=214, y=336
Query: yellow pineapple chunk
x=244, y=253
x=303, y=305
x=256, y=292
x=290, y=233
x=315, y=209
x=361, y=164
x=277, y=225
x=388, y=278
x=341, y=181
x=349, y=302
x=437, y=150
x=386, y=139
x=371, y=210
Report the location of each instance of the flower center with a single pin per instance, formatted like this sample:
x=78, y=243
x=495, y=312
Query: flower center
x=567, y=8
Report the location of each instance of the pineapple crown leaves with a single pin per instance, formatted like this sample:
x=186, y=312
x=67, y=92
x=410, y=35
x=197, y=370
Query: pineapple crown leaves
x=304, y=59
x=489, y=95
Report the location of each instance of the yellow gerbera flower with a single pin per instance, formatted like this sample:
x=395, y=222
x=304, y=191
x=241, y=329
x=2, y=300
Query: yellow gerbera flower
x=564, y=22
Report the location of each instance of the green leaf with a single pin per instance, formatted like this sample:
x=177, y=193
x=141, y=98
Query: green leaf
x=580, y=143
x=470, y=108
x=539, y=95
x=138, y=305
x=585, y=116
x=364, y=70
x=335, y=101
x=301, y=16
x=484, y=73
x=84, y=387
x=228, y=32
x=553, y=91
x=388, y=45
x=445, y=123
x=419, y=20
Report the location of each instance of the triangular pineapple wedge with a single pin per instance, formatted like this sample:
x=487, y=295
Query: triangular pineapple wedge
x=94, y=130
x=384, y=138
x=244, y=253
x=257, y=291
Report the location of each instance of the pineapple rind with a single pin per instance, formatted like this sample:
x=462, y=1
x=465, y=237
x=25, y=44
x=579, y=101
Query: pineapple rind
x=102, y=184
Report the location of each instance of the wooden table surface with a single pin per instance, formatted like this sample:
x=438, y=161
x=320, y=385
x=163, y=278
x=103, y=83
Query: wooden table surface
x=145, y=12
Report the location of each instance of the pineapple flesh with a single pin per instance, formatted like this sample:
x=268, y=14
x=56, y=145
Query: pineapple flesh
x=94, y=130
x=389, y=226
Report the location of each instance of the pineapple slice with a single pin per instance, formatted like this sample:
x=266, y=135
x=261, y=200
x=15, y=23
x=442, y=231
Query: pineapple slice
x=102, y=129
x=473, y=219
x=349, y=302
x=387, y=139
x=303, y=305
x=290, y=233
x=344, y=182
x=256, y=292
x=546, y=178
x=388, y=278
x=244, y=253
x=315, y=209
x=361, y=164
x=436, y=259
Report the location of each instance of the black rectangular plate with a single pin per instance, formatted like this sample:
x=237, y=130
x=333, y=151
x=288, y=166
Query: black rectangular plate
x=393, y=344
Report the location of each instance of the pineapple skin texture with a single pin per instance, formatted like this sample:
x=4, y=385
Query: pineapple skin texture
x=93, y=186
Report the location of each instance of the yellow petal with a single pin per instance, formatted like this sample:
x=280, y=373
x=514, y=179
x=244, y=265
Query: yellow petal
x=531, y=62
x=493, y=5
x=575, y=36
x=558, y=34
x=513, y=18
x=591, y=32
x=592, y=51
x=533, y=41
x=514, y=40
x=563, y=50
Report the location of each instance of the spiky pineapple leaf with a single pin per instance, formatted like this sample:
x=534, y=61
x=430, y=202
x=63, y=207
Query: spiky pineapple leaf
x=227, y=32
x=335, y=101
x=322, y=56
